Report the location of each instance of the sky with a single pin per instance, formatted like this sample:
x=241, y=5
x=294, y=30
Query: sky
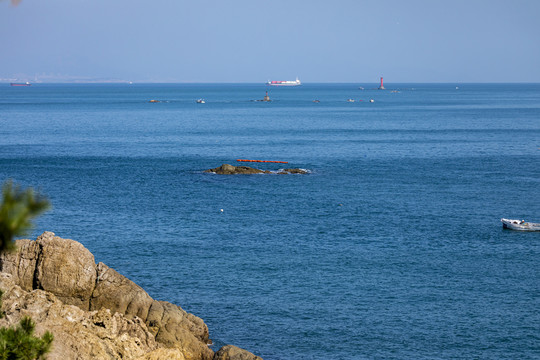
x=254, y=41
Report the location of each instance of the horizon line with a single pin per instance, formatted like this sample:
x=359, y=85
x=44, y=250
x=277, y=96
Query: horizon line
x=126, y=82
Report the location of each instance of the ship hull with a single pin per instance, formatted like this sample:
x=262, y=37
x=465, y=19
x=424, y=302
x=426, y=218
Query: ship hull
x=284, y=83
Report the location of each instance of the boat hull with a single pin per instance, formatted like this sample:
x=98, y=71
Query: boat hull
x=519, y=225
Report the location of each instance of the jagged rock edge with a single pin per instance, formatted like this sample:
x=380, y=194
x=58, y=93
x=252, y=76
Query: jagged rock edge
x=99, y=273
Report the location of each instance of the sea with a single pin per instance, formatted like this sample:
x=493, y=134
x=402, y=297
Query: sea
x=390, y=247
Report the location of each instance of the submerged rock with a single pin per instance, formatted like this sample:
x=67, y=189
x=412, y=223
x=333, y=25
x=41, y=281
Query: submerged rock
x=92, y=310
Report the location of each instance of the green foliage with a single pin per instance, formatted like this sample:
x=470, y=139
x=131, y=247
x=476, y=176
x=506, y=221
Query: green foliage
x=19, y=343
x=18, y=208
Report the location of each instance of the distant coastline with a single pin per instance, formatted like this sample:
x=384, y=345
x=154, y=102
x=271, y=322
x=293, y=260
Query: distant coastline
x=367, y=83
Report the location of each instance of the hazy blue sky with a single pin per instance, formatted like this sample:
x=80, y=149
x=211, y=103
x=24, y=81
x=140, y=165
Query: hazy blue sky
x=253, y=41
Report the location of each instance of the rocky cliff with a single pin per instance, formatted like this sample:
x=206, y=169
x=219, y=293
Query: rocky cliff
x=93, y=311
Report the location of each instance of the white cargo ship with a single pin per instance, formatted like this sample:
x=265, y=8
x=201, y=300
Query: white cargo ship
x=284, y=83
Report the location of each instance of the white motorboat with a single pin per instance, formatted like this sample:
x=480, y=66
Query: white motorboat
x=521, y=225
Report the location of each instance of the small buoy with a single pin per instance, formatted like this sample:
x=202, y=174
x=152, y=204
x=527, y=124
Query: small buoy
x=221, y=210
x=371, y=100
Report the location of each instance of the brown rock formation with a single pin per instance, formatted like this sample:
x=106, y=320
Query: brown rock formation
x=67, y=269
x=64, y=267
x=293, y=171
x=128, y=298
x=227, y=169
x=78, y=334
x=231, y=352
x=163, y=354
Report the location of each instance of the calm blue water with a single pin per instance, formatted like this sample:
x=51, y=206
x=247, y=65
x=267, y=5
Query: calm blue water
x=391, y=248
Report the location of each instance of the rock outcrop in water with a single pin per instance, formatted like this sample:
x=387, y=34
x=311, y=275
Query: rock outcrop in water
x=292, y=171
x=93, y=311
x=227, y=169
